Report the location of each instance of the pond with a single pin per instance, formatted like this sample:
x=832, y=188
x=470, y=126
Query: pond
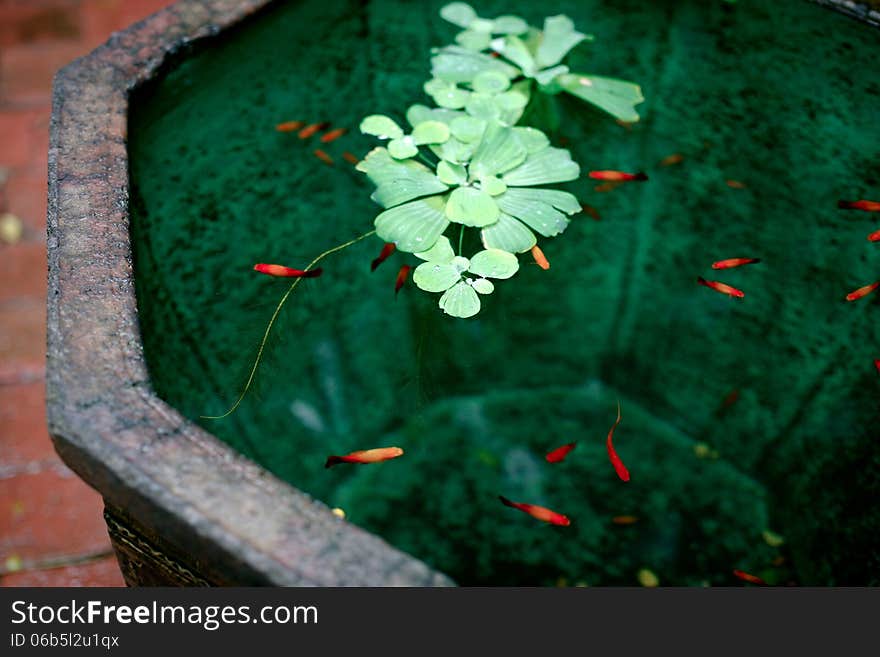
x=749, y=426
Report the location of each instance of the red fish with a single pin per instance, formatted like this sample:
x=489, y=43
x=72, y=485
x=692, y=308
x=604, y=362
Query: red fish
x=590, y=210
x=669, y=160
x=333, y=134
x=730, y=399
x=540, y=258
x=721, y=287
x=321, y=155
x=559, y=453
x=734, y=262
x=350, y=158
x=874, y=237
x=365, y=456
x=608, y=186
x=867, y=206
x=539, y=512
x=735, y=184
x=877, y=364
x=401, y=278
x=287, y=272
x=311, y=129
x=387, y=250
x=747, y=577
x=862, y=291
x=617, y=176
x=619, y=467
x=289, y=126
x=624, y=520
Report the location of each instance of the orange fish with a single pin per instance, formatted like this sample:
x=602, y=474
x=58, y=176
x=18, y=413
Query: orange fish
x=874, y=237
x=734, y=262
x=617, y=176
x=365, y=456
x=350, y=158
x=333, y=134
x=867, y=206
x=287, y=272
x=624, y=520
x=721, y=287
x=590, y=210
x=321, y=155
x=669, y=160
x=877, y=364
x=289, y=126
x=619, y=467
x=401, y=278
x=540, y=258
x=862, y=291
x=387, y=250
x=730, y=399
x=735, y=184
x=559, y=453
x=747, y=577
x=608, y=186
x=539, y=512
x=311, y=129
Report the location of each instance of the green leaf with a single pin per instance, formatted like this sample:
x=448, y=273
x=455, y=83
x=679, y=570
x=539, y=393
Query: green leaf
x=414, y=225
x=500, y=150
x=418, y=113
x=467, y=128
x=435, y=277
x=475, y=40
x=482, y=286
x=534, y=210
x=533, y=140
x=559, y=37
x=454, y=151
x=492, y=185
x=490, y=82
x=494, y=263
x=403, y=148
x=458, y=13
x=511, y=105
x=550, y=165
x=446, y=94
x=547, y=76
x=460, y=301
x=515, y=49
x=430, y=132
x=471, y=207
x=508, y=24
x=617, y=97
x=461, y=264
x=451, y=173
x=381, y=126
x=483, y=107
x=508, y=234
x=440, y=252
x=398, y=182
x=560, y=200
x=457, y=64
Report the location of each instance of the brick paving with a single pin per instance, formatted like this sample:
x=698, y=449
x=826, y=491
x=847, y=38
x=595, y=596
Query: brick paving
x=51, y=529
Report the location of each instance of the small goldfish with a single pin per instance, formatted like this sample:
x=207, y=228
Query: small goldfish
x=540, y=258
x=867, y=206
x=721, y=287
x=401, y=278
x=350, y=158
x=590, y=210
x=747, y=577
x=624, y=520
x=333, y=135
x=669, y=160
x=321, y=155
x=559, y=453
x=734, y=262
x=608, y=186
x=730, y=399
x=365, y=456
x=539, y=512
x=311, y=129
x=874, y=237
x=289, y=126
x=862, y=291
x=617, y=176
x=735, y=184
x=877, y=364
x=387, y=250
x=287, y=272
x=619, y=467
x=627, y=125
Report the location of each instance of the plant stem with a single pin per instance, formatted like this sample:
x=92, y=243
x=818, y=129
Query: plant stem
x=460, y=239
x=272, y=322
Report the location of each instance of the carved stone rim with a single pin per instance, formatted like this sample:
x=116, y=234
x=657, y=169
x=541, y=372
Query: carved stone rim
x=237, y=523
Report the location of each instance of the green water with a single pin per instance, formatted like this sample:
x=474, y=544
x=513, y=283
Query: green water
x=782, y=96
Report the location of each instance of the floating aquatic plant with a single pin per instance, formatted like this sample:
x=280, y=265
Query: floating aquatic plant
x=467, y=162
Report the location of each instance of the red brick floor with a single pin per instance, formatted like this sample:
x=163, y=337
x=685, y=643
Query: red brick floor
x=51, y=529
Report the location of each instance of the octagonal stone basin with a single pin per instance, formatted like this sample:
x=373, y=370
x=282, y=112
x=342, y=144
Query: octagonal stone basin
x=740, y=416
